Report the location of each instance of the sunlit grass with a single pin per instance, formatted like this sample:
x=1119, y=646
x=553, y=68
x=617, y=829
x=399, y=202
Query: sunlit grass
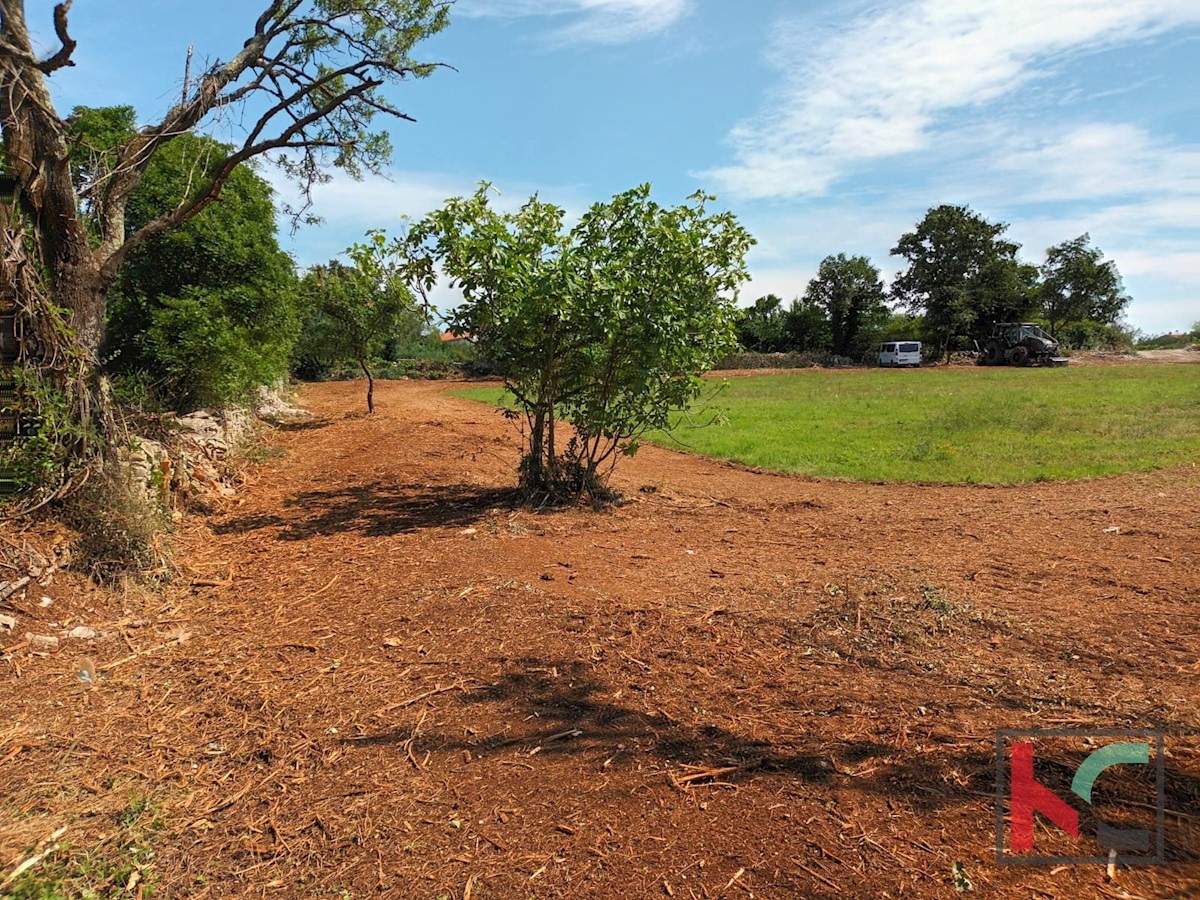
x=952, y=425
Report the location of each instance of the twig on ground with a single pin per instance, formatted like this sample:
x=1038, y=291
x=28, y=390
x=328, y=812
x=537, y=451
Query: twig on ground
x=43, y=849
x=684, y=780
x=417, y=699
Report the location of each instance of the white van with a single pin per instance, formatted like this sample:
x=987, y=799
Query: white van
x=900, y=353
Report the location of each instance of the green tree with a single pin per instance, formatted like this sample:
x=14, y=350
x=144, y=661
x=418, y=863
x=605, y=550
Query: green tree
x=207, y=312
x=900, y=326
x=608, y=325
x=97, y=134
x=761, y=326
x=307, y=84
x=355, y=310
x=962, y=275
x=851, y=292
x=806, y=327
x=1079, y=285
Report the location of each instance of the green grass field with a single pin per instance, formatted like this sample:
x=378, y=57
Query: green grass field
x=991, y=426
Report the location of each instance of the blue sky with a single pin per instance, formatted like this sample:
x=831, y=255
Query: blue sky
x=826, y=126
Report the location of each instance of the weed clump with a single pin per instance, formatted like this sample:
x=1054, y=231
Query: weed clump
x=122, y=531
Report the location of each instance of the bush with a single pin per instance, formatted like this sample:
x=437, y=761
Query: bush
x=49, y=433
x=606, y=326
x=204, y=348
x=206, y=313
x=122, y=532
x=1094, y=336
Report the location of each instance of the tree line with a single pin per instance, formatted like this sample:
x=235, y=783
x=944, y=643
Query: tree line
x=962, y=276
x=144, y=267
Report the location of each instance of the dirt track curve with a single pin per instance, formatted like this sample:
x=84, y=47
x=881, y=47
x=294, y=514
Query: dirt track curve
x=393, y=683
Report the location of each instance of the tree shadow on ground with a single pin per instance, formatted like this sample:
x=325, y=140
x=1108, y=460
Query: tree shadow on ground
x=377, y=510
x=564, y=710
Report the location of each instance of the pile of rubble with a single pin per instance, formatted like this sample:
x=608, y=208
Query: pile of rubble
x=192, y=455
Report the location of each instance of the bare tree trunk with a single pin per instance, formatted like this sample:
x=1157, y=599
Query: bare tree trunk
x=370, y=387
x=37, y=149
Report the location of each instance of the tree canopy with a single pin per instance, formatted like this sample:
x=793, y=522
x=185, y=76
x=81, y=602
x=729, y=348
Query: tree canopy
x=207, y=312
x=308, y=82
x=761, y=327
x=962, y=275
x=607, y=325
x=851, y=293
x=1079, y=285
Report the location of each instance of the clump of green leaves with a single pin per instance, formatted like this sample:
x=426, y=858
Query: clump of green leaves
x=49, y=431
x=607, y=325
x=204, y=314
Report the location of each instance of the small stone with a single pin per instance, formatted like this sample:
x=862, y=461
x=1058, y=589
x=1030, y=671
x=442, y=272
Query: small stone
x=42, y=642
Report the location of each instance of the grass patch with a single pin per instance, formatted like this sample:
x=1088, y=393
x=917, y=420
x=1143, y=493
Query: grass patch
x=121, y=866
x=993, y=426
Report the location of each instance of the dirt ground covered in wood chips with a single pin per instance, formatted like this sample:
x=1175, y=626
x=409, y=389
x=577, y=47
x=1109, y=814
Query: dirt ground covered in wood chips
x=376, y=676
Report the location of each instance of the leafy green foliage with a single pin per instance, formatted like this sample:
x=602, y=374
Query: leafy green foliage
x=841, y=312
x=97, y=134
x=962, y=275
x=766, y=327
x=50, y=433
x=806, y=327
x=207, y=312
x=899, y=326
x=851, y=293
x=607, y=325
x=1079, y=285
x=761, y=326
x=356, y=311
x=1087, y=335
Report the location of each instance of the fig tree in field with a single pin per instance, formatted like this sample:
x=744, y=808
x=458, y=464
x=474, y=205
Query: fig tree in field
x=600, y=331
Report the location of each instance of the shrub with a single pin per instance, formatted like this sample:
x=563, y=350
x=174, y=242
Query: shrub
x=607, y=326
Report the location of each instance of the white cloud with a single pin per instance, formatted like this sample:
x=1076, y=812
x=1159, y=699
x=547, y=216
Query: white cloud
x=589, y=21
x=1173, y=265
x=785, y=282
x=1102, y=160
x=880, y=86
x=348, y=208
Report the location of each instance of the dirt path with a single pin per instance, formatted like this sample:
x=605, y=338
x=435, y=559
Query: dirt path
x=393, y=683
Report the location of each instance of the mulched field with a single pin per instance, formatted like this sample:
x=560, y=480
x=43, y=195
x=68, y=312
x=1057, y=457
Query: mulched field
x=376, y=676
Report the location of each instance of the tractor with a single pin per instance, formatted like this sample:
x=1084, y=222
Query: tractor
x=1020, y=344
